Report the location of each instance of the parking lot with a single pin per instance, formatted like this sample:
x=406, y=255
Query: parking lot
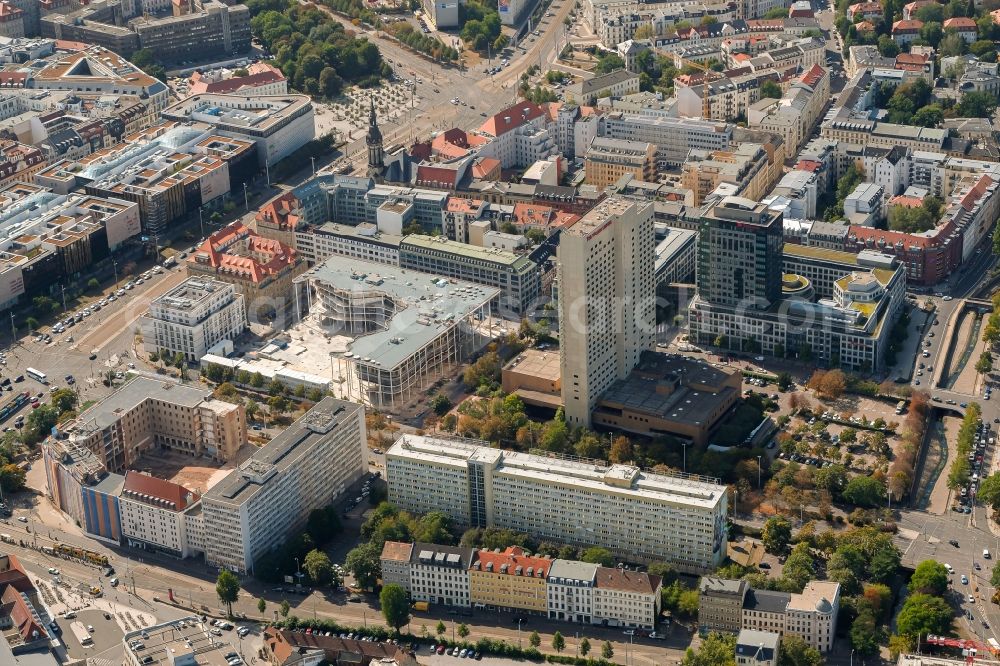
x=106, y=634
x=71, y=319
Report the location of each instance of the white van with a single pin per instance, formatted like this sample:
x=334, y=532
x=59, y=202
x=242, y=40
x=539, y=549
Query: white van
x=948, y=567
x=986, y=553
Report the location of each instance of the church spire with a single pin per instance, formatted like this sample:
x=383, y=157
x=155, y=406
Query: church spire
x=376, y=155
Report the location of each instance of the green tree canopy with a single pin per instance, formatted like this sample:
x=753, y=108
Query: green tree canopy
x=924, y=614
x=395, y=606
x=227, y=587
x=364, y=563
x=318, y=567
x=796, y=652
x=777, y=534
x=716, y=650
x=770, y=89
x=864, y=491
x=930, y=577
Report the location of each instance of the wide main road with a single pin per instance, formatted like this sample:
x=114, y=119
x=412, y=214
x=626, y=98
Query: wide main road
x=144, y=579
x=436, y=85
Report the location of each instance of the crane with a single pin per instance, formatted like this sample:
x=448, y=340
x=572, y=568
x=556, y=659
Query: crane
x=709, y=72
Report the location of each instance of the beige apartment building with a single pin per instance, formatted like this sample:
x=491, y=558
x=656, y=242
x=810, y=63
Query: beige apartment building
x=810, y=615
x=745, y=167
x=148, y=413
x=607, y=160
x=720, y=605
x=606, y=300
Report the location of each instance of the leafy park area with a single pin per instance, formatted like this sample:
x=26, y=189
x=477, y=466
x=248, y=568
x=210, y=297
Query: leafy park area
x=313, y=50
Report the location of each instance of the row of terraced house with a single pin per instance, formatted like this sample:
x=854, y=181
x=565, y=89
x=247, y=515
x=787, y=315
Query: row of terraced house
x=515, y=580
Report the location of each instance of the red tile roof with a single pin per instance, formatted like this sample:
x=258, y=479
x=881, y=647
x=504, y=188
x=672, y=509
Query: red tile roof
x=451, y=143
x=9, y=12
x=809, y=165
x=397, y=551
x=511, y=118
x=517, y=563
x=813, y=75
x=485, y=166
x=865, y=26
x=21, y=615
x=236, y=83
x=461, y=205
x=911, y=59
x=907, y=26
x=877, y=237
x=436, y=176
x=975, y=193
x=906, y=202
x=13, y=574
x=278, y=212
x=532, y=214
x=12, y=79
x=623, y=579
x=157, y=492
x=267, y=257
x=961, y=24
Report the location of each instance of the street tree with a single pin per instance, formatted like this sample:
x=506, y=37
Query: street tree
x=584, y=647
x=984, y=365
x=923, y=614
x=285, y=608
x=227, y=586
x=776, y=535
x=864, y=491
x=261, y=605
x=395, y=606
x=364, y=563
x=534, y=639
x=989, y=490
x=607, y=650
x=930, y=577
x=463, y=630
x=796, y=652
x=439, y=629
x=558, y=642
x=64, y=400
x=318, y=567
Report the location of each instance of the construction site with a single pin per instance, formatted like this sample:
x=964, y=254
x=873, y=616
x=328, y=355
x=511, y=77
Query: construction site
x=399, y=330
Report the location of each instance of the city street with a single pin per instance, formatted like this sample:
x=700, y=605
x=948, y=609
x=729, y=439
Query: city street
x=146, y=579
x=436, y=85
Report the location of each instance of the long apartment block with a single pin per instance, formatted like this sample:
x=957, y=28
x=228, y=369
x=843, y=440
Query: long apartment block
x=635, y=514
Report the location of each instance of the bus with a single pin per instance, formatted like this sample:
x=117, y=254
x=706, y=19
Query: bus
x=81, y=634
x=37, y=375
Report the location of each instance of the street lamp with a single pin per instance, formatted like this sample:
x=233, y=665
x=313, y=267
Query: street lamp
x=758, y=472
x=519, y=633
x=684, y=447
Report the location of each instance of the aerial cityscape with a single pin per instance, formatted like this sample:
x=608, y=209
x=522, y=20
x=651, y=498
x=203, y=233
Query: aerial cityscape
x=398, y=333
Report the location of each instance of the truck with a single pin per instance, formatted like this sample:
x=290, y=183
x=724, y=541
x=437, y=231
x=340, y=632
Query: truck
x=421, y=606
x=900, y=406
x=170, y=261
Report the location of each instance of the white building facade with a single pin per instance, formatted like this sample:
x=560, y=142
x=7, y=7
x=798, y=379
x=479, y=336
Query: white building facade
x=633, y=513
x=192, y=317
